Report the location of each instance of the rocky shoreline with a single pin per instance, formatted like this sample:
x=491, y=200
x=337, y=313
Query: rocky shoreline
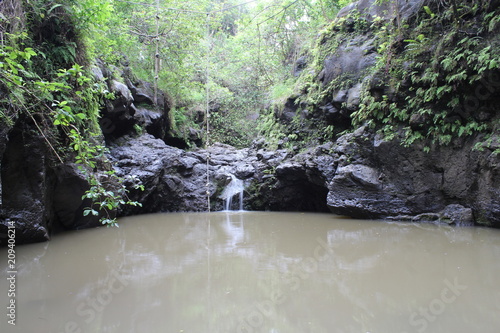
x=358, y=174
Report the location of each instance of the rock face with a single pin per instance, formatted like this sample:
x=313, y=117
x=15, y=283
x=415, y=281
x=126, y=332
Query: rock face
x=133, y=107
x=39, y=197
x=379, y=179
x=176, y=180
x=376, y=178
x=360, y=175
x=25, y=177
x=353, y=56
x=44, y=196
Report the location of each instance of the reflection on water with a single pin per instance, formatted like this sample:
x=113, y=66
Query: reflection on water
x=259, y=272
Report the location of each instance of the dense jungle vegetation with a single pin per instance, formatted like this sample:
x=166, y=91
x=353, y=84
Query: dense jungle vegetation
x=240, y=62
x=233, y=58
x=238, y=57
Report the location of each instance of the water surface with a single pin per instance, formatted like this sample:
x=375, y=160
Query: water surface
x=259, y=272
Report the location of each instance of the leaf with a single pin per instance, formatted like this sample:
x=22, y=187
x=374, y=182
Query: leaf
x=429, y=11
x=52, y=8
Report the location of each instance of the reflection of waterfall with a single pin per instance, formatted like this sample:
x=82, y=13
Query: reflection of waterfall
x=233, y=189
x=234, y=229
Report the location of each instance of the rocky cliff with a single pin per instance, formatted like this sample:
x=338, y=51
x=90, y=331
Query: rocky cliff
x=360, y=175
x=395, y=125
x=416, y=85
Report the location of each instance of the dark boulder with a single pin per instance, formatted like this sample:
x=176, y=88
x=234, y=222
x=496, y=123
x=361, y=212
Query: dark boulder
x=67, y=203
x=378, y=179
x=134, y=108
x=176, y=180
x=27, y=183
x=40, y=196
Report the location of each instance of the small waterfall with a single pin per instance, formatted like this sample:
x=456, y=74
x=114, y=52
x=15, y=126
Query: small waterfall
x=233, y=189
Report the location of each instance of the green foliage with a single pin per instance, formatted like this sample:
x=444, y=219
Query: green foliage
x=12, y=62
x=270, y=128
x=443, y=66
x=15, y=68
x=244, y=53
x=51, y=29
x=79, y=123
x=436, y=75
x=71, y=101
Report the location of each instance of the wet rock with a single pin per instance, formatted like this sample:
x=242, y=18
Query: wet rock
x=123, y=97
x=358, y=191
x=295, y=183
x=195, y=136
x=152, y=120
x=353, y=99
x=457, y=214
x=289, y=111
x=340, y=97
x=26, y=184
x=378, y=179
x=143, y=92
x=186, y=165
x=176, y=180
x=133, y=108
x=39, y=196
x=452, y=214
x=426, y=218
x=290, y=171
x=244, y=171
x=300, y=65
x=118, y=116
x=350, y=59
x=67, y=201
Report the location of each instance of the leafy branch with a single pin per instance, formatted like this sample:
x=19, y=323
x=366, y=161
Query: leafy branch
x=72, y=102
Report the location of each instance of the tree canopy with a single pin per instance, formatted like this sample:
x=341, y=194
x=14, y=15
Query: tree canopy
x=235, y=55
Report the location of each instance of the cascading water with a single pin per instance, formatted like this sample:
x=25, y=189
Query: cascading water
x=234, y=189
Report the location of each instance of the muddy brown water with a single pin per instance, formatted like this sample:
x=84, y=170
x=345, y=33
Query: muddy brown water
x=231, y=272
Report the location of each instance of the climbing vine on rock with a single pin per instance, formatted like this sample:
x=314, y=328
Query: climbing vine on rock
x=64, y=109
x=441, y=76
